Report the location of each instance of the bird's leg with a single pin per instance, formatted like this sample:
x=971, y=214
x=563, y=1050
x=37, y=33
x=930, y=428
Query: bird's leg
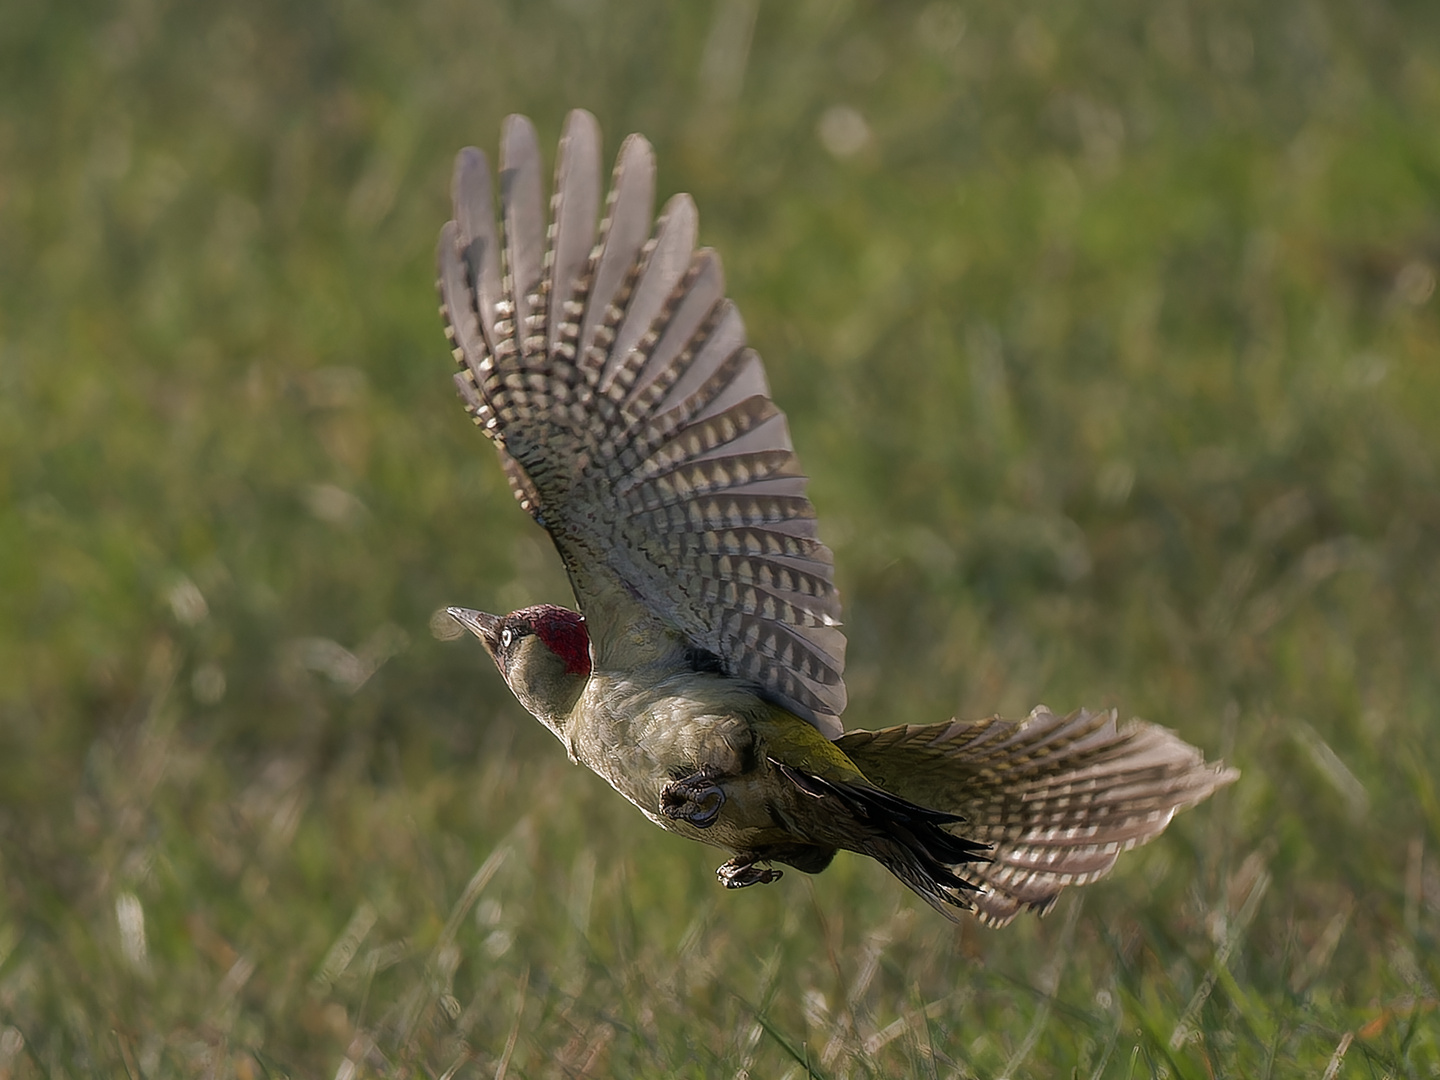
x=696, y=798
x=744, y=870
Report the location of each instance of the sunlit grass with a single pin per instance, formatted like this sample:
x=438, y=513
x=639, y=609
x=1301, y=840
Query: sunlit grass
x=1108, y=335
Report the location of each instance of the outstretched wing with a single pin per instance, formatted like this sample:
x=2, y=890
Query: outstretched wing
x=1059, y=798
x=632, y=421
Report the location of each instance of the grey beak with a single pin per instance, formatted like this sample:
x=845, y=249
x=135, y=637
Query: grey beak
x=485, y=627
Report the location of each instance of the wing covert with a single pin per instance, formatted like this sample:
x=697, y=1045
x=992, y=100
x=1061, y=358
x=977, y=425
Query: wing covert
x=633, y=422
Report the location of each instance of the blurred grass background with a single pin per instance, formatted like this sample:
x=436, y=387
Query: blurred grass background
x=1108, y=335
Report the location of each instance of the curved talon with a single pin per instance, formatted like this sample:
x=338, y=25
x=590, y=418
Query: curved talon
x=696, y=799
x=740, y=872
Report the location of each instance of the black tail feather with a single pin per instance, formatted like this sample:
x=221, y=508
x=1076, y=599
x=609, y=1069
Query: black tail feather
x=909, y=840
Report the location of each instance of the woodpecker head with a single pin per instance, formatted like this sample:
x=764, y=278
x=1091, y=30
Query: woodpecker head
x=542, y=652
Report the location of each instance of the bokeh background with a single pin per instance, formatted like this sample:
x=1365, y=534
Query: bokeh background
x=1108, y=335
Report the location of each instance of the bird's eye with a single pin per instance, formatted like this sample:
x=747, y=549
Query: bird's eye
x=505, y=638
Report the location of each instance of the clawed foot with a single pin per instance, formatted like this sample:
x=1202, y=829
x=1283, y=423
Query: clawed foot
x=696, y=799
x=740, y=872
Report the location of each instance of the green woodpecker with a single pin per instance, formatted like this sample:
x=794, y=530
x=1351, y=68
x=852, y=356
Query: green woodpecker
x=704, y=678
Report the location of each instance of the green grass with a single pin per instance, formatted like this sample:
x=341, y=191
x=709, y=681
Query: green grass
x=1111, y=345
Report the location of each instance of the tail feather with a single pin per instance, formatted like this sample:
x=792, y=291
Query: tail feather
x=909, y=840
x=1056, y=799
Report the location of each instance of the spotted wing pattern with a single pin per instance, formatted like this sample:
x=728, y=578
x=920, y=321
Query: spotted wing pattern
x=632, y=421
x=1059, y=798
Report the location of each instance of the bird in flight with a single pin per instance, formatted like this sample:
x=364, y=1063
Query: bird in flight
x=702, y=676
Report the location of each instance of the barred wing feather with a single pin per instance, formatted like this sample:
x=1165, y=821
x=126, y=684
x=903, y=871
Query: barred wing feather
x=633, y=422
x=1057, y=797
